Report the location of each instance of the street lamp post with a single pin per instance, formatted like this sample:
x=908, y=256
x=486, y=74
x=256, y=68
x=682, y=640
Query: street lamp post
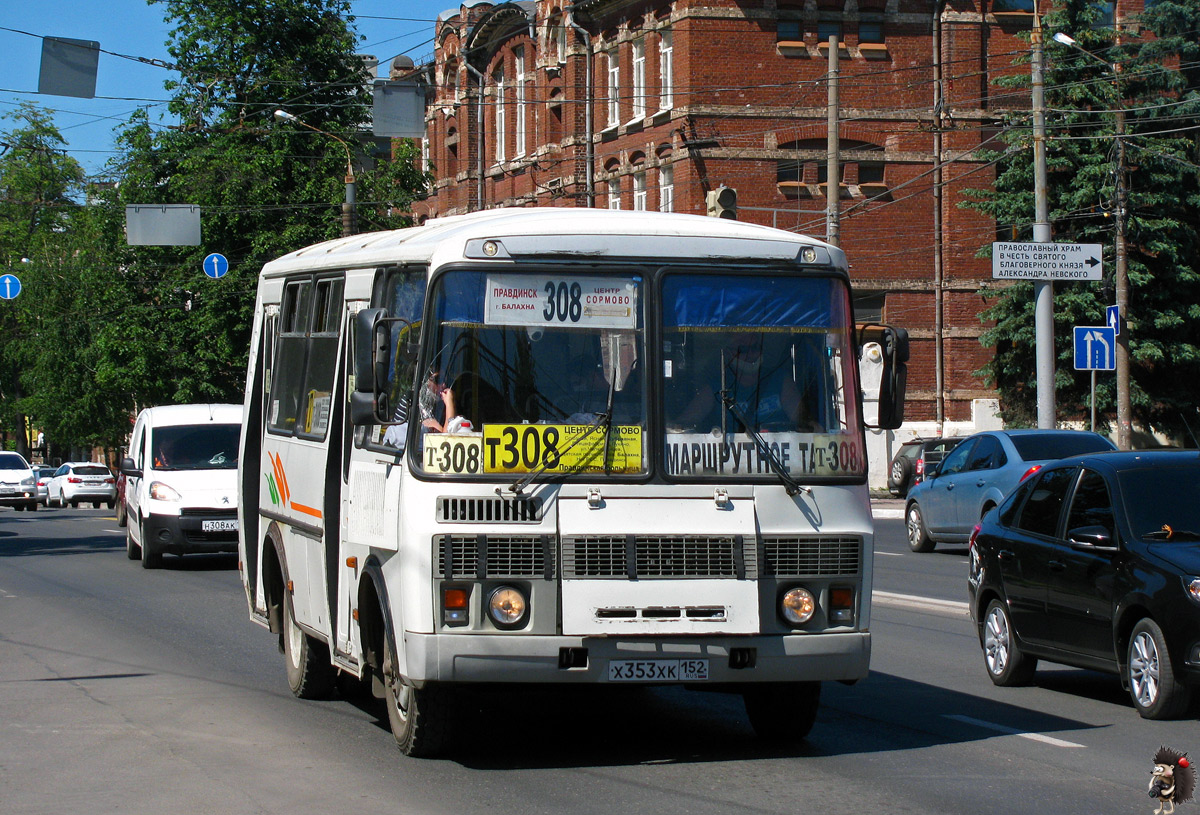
x=1124, y=421
x=350, y=202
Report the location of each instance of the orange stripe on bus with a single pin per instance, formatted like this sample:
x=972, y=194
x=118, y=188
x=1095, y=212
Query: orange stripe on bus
x=316, y=513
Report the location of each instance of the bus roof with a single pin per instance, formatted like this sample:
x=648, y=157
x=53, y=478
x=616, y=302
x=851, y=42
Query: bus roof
x=549, y=232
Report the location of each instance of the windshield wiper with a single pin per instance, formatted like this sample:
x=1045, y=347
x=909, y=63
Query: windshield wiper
x=604, y=419
x=1167, y=533
x=790, y=485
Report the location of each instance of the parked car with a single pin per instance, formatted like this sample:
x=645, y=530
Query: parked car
x=909, y=463
x=43, y=475
x=18, y=487
x=1095, y=562
x=977, y=475
x=82, y=482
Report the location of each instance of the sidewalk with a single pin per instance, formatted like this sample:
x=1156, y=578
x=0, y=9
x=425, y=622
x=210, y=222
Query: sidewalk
x=887, y=507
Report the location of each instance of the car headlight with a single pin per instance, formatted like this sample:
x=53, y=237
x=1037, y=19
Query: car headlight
x=29, y=483
x=797, y=605
x=507, y=607
x=161, y=492
x=1191, y=587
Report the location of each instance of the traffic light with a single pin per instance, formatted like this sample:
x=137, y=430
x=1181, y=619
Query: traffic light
x=722, y=202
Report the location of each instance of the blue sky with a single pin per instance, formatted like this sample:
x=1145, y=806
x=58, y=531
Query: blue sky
x=136, y=29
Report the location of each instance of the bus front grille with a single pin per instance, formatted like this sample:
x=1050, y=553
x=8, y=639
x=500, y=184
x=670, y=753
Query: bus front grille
x=494, y=556
x=488, y=509
x=658, y=556
x=824, y=556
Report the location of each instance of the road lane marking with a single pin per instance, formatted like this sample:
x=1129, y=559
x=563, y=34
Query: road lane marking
x=912, y=602
x=890, y=554
x=1012, y=731
x=889, y=514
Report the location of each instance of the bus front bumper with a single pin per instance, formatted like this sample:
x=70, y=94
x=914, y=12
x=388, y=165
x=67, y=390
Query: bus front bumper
x=842, y=657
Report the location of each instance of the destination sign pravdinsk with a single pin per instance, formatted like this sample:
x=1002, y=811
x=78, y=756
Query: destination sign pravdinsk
x=1046, y=261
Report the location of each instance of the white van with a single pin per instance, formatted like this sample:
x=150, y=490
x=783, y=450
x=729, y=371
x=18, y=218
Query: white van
x=181, y=482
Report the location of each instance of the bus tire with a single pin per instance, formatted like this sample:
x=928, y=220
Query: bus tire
x=782, y=712
x=309, y=672
x=150, y=558
x=421, y=718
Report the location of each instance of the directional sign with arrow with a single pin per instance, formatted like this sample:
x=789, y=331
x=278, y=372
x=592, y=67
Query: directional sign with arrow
x=1046, y=261
x=1113, y=318
x=1095, y=348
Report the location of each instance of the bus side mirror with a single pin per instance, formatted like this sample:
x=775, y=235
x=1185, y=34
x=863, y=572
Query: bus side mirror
x=372, y=351
x=894, y=343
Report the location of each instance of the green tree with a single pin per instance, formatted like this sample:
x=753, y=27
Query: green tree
x=265, y=187
x=39, y=189
x=1162, y=111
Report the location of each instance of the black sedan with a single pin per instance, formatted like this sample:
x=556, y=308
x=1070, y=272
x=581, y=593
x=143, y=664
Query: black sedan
x=1094, y=561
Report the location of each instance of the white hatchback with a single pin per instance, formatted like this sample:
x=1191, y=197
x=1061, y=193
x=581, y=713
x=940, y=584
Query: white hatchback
x=18, y=487
x=82, y=482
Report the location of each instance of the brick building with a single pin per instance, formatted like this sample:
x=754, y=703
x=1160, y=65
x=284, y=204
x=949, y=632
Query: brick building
x=653, y=104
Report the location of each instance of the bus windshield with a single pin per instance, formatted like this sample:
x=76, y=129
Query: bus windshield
x=530, y=372
x=759, y=377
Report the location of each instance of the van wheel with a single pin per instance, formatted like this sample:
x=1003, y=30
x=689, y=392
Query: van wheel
x=422, y=719
x=150, y=558
x=1151, y=676
x=309, y=672
x=782, y=712
x=132, y=550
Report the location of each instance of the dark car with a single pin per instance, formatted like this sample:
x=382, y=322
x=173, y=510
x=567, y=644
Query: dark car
x=913, y=457
x=1094, y=561
x=977, y=475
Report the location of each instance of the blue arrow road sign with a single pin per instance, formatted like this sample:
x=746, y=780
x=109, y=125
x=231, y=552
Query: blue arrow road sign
x=1113, y=318
x=10, y=287
x=1095, y=348
x=215, y=265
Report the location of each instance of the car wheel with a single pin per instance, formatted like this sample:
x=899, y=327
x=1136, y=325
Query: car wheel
x=132, y=550
x=422, y=719
x=95, y=505
x=1006, y=664
x=32, y=506
x=918, y=535
x=150, y=558
x=309, y=672
x=782, y=712
x=1151, y=676
x=122, y=514
x=75, y=504
x=19, y=507
x=901, y=473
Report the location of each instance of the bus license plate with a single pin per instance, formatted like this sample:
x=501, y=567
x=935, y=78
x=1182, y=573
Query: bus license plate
x=657, y=670
x=218, y=526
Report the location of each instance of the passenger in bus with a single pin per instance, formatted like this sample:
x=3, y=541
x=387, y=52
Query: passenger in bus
x=761, y=386
x=438, y=412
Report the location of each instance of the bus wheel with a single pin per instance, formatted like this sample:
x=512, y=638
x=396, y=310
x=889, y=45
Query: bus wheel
x=309, y=672
x=783, y=712
x=421, y=718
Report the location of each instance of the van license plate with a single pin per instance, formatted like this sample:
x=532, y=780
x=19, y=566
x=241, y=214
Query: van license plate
x=657, y=670
x=219, y=526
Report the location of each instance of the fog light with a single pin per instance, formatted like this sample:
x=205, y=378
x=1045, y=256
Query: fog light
x=798, y=606
x=507, y=607
x=454, y=606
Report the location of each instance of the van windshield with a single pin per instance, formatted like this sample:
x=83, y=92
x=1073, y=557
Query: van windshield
x=196, y=447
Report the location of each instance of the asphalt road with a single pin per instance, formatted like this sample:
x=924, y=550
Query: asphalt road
x=132, y=691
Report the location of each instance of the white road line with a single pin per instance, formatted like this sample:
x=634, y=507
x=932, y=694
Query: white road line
x=912, y=602
x=890, y=554
x=891, y=514
x=1012, y=731
x=6, y=595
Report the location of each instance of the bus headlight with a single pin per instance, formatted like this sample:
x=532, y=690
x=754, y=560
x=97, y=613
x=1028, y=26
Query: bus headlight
x=507, y=607
x=797, y=605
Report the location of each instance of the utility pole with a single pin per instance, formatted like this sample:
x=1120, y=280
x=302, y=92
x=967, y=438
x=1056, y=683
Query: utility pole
x=1043, y=290
x=832, y=175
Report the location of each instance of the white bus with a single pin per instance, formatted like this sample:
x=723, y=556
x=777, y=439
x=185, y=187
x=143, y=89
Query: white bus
x=566, y=446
